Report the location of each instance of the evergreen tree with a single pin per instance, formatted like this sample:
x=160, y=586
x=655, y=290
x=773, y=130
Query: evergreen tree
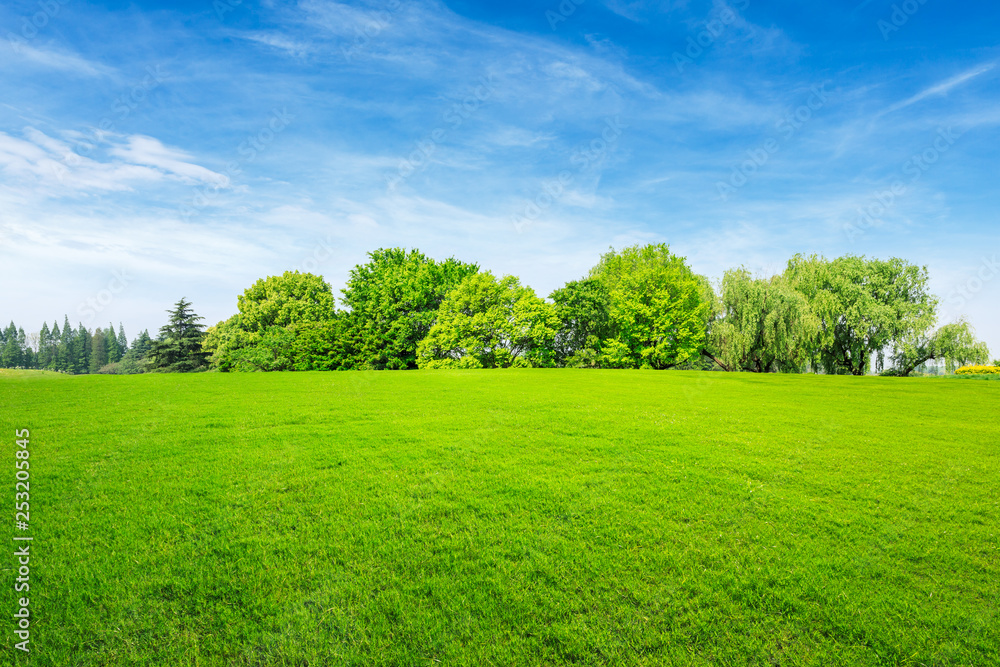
x=122, y=340
x=10, y=356
x=64, y=360
x=55, y=339
x=111, y=348
x=98, y=351
x=141, y=346
x=178, y=347
x=27, y=353
x=44, y=341
x=81, y=350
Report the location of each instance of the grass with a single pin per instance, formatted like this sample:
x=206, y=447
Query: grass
x=508, y=517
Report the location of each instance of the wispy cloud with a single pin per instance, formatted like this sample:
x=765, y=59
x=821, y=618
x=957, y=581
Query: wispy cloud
x=941, y=88
x=61, y=60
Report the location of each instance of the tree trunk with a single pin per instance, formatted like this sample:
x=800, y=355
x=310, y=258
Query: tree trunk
x=709, y=355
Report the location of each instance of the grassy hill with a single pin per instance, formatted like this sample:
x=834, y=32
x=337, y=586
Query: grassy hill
x=508, y=517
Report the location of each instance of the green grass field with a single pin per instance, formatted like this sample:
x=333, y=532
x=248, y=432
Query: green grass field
x=507, y=518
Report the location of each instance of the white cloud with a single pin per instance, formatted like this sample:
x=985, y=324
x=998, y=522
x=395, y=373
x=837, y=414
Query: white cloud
x=67, y=62
x=941, y=88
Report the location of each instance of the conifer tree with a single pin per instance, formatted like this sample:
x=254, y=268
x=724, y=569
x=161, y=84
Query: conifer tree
x=122, y=340
x=98, y=351
x=111, y=348
x=81, y=350
x=44, y=340
x=64, y=355
x=178, y=347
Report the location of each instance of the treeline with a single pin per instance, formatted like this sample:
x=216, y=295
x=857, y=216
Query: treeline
x=640, y=307
x=75, y=351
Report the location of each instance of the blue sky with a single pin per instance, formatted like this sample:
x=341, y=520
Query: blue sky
x=151, y=151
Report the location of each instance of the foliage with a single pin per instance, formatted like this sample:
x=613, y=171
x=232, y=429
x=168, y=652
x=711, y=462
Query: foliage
x=956, y=343
x=178, y=347
x=659, y=309
x=583, y=309
x=978, y=369
x=765, y=324
x=393, y=301
x=862, y=306
x=490, y=323
x=285, y=322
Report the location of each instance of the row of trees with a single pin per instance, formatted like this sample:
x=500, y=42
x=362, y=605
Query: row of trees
x=70, y=350
x=640, y=307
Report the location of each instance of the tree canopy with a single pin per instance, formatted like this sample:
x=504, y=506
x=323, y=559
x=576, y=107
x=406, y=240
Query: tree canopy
x=394, y=300
x=765, y=324
x=490, y=323
x=178, y=347
x=863, y=306
x=657, y=306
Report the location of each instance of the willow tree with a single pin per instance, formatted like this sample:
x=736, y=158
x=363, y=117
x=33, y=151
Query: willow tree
x=862, y=306
x=955, y=343
x=765, y=325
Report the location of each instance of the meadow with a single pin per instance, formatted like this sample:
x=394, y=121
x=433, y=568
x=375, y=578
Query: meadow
x=507, y=517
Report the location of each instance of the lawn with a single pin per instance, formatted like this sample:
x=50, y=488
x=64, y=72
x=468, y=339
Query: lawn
x=520, y=517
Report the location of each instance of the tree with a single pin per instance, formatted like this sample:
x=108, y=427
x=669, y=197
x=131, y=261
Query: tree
x=44, y=346
x=135, y=360
x=393, y=301
x=122, y=340
x=80, y=354
x=64, y=355
x=490, y=323
x=98, y=351
x=10, y=354
x=273, y=313
x=765, y=325
x=178, y=347
x=956, y=343
x=111, y=348
x=659, y=309
x=583, y=309
x=862, y=306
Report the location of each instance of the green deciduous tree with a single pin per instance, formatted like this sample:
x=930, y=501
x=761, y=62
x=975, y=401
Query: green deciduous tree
x=765, y=325
x=285, y=322
x=178, y=347
x=490, y=323
x=862, y=306
x=659, y=309
x=583, y=309
x=956, y=343
x=394, y=300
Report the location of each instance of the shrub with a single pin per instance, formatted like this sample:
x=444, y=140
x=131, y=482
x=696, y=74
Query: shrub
x=979, y=370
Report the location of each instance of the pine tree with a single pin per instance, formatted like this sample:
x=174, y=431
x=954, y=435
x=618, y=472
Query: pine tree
x=122, y=340
x=98, y=351
x=178, y=347
x=44, y=353
x=64, y=355
x=111, y=348
x=27, y=354
x=10, y=355
x=81, y=350
x=141, y=345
